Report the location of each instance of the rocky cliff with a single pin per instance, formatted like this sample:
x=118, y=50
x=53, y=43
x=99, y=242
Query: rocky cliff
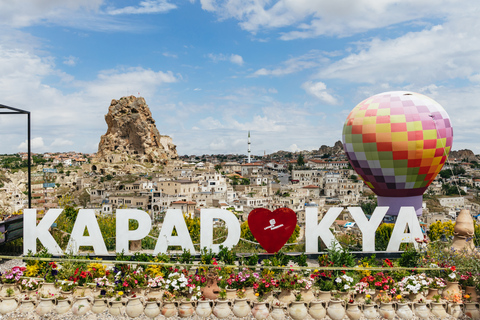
x=132, y=135
x=336, y=149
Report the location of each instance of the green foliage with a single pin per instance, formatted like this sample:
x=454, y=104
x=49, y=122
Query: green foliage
x=226, y=255
x=382, y=236
x=300, y=160
x=301, y=260
x=439, y=229
x=411, y=258
x=340, y=257
x=368, y=207
x=186, y=257
x=206, y=256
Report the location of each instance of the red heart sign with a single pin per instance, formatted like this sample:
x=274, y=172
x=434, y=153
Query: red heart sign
x=272, y=229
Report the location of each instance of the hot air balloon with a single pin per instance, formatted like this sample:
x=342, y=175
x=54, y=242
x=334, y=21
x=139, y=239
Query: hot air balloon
x=398, y=142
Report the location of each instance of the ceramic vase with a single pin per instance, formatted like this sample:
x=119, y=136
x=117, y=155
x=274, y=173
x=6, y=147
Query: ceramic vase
x=404, y=311
x=48, y=288
x=250, y=294
x=134, y=307
x=241, y=308
x=472, y=292
x=336, y=309
x=286, y=296
x=431, y=292
x=324, y=295
x=204, y=308
x=155, y=293
x=8, y=304
x=186, y=309
x=386, y=310
x=439, y=310
x=452, y=288
x=231, y=294
x=169, y=309
x=454, y=309
x=421, y=310
x=307, y=295
x=115, y=308
x=471, y=310
x=416, y=297
x=26, y=305
x=99, y=305
x=152, y=309
x=353, y=311
x=260, y=310
x=370, y=311
x=277, y=313
x=360, y=298
x=222, y=309
x=44, y=306
x=7, y=286
x=317, y=309
x=81, y=306
x=298, y=310
x=62, y=305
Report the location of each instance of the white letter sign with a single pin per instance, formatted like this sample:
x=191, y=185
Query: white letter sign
x=313, y=230
x=86, y=219
x=124, y=235
x=206, y=228
x=406, y=216
x=32, y=231
x=368, y=227
x=174, y=219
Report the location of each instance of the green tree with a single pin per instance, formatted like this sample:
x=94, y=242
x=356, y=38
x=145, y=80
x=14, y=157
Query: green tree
x=218, y=167
x=300, y=160
x=84, y=198
x=382, y=236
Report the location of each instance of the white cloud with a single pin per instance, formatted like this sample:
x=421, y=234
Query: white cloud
x=293, y=148
x=312, y=59
x=147, y=6
x=233, y=58
x=70, y=61
x=319, y=91
x=61, y=142
x=36, y=145
x=339, y=18
x=170, y=55
x=449, y=51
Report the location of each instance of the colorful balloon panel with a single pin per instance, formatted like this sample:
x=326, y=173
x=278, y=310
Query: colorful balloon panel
x=398, y=142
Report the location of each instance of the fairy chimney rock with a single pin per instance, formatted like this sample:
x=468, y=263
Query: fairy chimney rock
x=132, y=135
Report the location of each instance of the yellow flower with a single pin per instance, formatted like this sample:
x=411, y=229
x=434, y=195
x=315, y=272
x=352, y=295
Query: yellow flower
x=316, y=270
x=256, y=294
x=399, y=297
x=120, y=293
x=368, y=296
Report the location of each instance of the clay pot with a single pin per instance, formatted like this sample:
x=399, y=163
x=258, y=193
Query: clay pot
x=336, y=309
x=45, y=306
x=204, y=308
x=155, y=293
x=62, y=305
x=81, y=306
x=317, y=309
x=415, y=297
x=439, y=310
x=26, y=305
x=286, y=296
x=386, y=310
x=48, y=288
x=250, y=294
x=471, y=310
x=186, y=309
x=298, y=310
x=152, y=309
x=452, y=288
x=99, y=305
x=431, y=292
x=464, y=224
x=307, y=295
x=353, y=312
x=8, y=304
x=241, y=308
x=211, y=289
x=454, y=309
x=421, y=311
x=360, y=297
x=169, y=309
x=324, y=295
x=134, y=307
x=472, y=292
x=231, y=294
x=404, y=311
x=115, y=307
x=260, y=310
x=277, y=313
x=6, y=286
x=222, y=309
x=370, y=311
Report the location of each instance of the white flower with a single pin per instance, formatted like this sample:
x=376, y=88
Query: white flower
x=452, y=275
x=338, y=280
x=346, y=287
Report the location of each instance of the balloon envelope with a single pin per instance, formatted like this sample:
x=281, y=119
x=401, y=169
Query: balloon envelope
x=398, y=142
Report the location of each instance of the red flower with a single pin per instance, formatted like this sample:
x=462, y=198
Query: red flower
x=453, y=268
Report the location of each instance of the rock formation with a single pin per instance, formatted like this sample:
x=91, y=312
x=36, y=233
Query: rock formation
x=336, y=149
x=463, y=154
x=132, y=135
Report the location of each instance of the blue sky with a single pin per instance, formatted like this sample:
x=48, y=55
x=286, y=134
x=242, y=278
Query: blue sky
x=289, y=71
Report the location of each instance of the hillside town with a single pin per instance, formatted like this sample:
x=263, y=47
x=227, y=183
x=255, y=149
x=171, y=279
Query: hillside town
x=136, y=167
